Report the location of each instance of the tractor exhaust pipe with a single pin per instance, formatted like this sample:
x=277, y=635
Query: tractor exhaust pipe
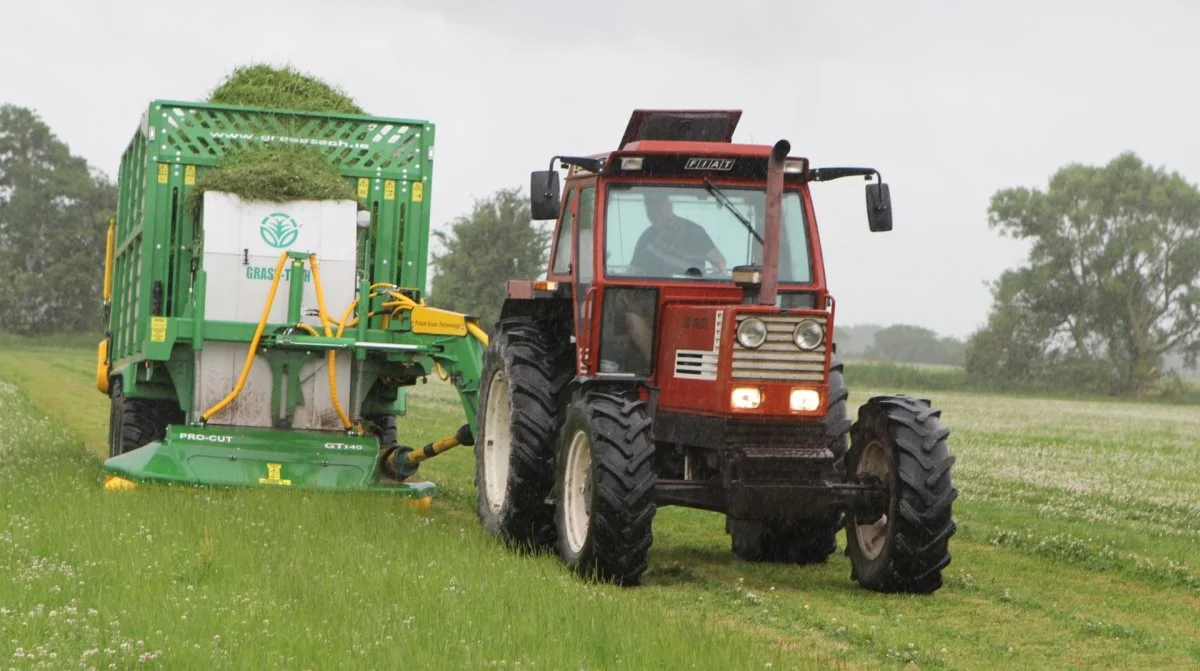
x=774, y=223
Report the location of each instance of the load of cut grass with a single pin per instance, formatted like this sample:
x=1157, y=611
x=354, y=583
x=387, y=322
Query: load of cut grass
x=277, y=173
x=282, y=88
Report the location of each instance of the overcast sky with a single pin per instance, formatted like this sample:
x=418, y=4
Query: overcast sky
x=949, y=100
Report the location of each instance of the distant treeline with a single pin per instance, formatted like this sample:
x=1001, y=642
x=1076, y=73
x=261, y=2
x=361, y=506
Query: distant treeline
x=916, y=379
x=907, y=356
x=899, y=343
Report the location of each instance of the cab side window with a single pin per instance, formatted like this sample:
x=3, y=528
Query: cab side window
x=562, y=246
x=587, y=213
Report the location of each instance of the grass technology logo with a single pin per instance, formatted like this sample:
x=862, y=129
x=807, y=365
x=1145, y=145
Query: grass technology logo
x=279, y=230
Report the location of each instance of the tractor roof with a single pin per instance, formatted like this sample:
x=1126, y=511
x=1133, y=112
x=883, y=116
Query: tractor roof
x=681, y=125
x=691, y=135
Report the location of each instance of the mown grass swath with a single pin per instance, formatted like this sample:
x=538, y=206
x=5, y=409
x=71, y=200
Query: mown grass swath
x=1078, y=523
x=283, y=88
x=277, y=173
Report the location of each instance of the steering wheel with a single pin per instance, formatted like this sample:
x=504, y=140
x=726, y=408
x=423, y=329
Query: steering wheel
x=701, y=266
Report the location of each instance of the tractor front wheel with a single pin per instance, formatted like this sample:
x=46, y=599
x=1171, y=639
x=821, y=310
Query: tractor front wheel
x=514, y=454
x=899, y=441
x=605, y=488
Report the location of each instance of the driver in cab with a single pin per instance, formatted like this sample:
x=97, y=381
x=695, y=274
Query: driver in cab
x=672, y=245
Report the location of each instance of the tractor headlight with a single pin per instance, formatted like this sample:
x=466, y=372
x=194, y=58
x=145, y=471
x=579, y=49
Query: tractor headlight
x=805, y=400
x=809, y=334
x=745, y=398
x=752, y=333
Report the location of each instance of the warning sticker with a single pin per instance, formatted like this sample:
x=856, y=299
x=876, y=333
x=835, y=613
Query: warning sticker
x=273, y=473
x=158, y=329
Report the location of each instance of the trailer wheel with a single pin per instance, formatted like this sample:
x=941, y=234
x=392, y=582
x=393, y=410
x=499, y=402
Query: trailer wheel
x=605, y=488
x=801, y=542
x=383, y=427
x=134, y=422
x=518, y=418
x=900, y=441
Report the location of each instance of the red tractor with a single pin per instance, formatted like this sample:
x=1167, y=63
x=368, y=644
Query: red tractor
x=679, y=352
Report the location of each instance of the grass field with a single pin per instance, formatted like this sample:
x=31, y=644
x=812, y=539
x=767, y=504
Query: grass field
x=1079, y=526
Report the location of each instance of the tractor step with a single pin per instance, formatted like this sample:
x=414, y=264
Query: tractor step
x=244, y=457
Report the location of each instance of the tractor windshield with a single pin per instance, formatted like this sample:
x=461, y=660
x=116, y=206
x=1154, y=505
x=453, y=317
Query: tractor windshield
x=684, y=232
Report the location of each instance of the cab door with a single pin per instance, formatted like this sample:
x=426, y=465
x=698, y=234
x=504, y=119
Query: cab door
x=585, y=275
x=562, y=260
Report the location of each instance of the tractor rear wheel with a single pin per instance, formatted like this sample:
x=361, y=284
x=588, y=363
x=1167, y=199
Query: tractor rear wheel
x=518, y=419
x=605, y=487
x=900, y=441
x=796, y=542
x=134, y=422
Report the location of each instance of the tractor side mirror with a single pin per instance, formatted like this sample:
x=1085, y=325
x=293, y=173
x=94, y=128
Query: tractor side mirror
x=879, y=207
x=545, y=195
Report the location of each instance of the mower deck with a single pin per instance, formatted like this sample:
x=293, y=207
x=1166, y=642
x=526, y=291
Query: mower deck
x=241, y=457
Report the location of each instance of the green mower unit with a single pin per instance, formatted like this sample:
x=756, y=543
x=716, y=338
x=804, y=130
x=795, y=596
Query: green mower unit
x=265, y=343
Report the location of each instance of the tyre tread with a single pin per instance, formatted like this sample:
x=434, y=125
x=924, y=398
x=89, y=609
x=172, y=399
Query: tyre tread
x=923, y=523
x=535, y=381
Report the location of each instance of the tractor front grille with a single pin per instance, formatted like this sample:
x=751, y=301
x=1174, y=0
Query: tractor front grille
x=779, y=358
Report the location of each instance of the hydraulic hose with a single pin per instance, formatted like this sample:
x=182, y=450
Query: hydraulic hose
x=479, y=333
x=262, y=324
x=398, y=303
x=343, y=325
x=332, y=356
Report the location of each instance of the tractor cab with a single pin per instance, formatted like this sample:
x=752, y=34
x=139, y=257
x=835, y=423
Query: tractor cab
x=657, y=242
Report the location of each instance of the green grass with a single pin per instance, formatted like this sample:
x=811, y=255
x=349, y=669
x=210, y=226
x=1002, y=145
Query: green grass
x=1079, y=524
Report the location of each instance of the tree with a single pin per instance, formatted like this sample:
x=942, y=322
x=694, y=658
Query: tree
x=497, y=242
x=852, y=341
x=53, y=209
x=1112, y=281
x=903, y=343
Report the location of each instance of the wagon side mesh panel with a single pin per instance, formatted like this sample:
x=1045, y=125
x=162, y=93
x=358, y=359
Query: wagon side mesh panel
x=199, y=133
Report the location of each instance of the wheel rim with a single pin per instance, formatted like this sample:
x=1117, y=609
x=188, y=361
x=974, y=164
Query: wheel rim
x=497, y=442
x=577, y=491
x=876, y=461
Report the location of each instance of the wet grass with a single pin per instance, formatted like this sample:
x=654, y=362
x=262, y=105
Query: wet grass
x=1079, y=529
